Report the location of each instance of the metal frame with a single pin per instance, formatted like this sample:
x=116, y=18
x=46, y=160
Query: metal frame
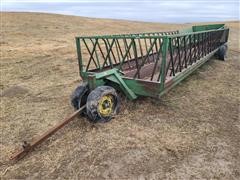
x=147, y=64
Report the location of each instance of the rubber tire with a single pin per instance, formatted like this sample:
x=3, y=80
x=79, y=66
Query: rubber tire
x=222, y=52
x=79, y=96
x=93, y=100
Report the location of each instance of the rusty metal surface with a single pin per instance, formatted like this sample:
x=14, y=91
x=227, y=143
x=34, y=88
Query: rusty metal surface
x=27, y=147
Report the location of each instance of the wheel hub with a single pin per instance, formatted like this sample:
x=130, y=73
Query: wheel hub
x=105, y=105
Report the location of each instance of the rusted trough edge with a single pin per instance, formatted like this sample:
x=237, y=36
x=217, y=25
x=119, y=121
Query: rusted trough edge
x=27, y=147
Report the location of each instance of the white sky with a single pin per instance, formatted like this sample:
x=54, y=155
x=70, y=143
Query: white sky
x=176, y=11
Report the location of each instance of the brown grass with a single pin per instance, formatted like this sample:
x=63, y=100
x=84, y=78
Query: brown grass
x=192, y=132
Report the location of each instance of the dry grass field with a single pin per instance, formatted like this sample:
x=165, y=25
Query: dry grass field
x=192, y=132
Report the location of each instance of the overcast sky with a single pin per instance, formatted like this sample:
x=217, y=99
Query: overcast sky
x=173, y=11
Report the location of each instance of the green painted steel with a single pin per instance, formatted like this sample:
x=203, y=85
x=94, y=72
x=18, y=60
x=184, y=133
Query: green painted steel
x=147, y=64
x=177, y=79
x=201, y=28
x=113, y=76
x=79, y=55
x=164, y=59
x=207, y=27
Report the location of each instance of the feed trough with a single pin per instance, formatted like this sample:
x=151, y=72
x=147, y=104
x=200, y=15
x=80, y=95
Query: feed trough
x=144, y=64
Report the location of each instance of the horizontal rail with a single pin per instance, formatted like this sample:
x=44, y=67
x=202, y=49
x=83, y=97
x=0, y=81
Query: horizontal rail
x=199, y=32
x=143, y=35
x=121, y=37
x=157, y=34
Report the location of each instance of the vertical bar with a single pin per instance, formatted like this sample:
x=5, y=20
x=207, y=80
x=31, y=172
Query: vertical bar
x=182, y=52
x=102, y=53
x=156, y=48
x=157, y=59
x=209, y=42
x=179, y=57
x=120, y=50
x=79, y=55
x=203, y=44
x=213, y=40
x=171, y=58
x=190, y=48
x=172, y=48
x=194, y=41
x=152, y=51
x=200, y=46
x=185, y=51
x=118, y=54
x=136, y=56
x=146, y=46
x=164, y=59
x=140, y=46
x=199, y=50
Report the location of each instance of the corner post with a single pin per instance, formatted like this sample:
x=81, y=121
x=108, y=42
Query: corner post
x=164, y=59
x=79, y=55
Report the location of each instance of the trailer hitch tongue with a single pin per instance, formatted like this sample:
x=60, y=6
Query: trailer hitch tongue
x=27, y=147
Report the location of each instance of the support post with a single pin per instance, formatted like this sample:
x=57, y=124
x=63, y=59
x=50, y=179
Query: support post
x=164, y=59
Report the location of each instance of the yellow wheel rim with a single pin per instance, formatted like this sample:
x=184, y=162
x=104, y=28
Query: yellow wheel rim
x=105, y=105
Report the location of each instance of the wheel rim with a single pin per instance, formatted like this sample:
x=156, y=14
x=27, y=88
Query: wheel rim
x=106, y=105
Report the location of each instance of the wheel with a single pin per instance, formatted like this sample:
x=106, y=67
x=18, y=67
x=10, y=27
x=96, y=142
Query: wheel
x=102, y=104
x=79, y=96
x=222, y=52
